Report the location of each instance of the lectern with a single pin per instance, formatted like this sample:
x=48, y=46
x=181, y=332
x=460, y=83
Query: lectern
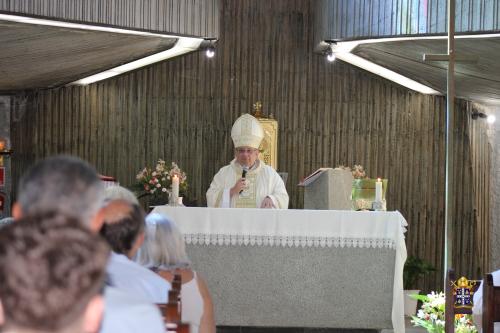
x=328, y=188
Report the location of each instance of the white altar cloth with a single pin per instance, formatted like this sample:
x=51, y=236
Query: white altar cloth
x=298, y=228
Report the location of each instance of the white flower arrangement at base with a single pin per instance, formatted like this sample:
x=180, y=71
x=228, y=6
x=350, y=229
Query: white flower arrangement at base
x=431, y=315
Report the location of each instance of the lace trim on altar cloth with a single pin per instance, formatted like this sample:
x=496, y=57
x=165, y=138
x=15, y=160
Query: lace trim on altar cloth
x=288, y=241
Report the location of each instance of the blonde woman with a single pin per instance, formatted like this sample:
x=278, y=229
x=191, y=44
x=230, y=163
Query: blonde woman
x=164, y=252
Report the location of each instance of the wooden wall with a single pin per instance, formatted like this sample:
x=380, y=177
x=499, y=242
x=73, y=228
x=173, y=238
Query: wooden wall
x=476, y=229
x=184, y=17
x=329, y=114
x=339, y=19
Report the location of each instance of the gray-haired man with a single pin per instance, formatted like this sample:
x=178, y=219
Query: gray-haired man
x=71, y=186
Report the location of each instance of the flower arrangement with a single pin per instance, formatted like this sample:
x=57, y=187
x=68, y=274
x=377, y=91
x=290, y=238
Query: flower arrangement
x=158, y=181
x=358, y=172
x=431, y=315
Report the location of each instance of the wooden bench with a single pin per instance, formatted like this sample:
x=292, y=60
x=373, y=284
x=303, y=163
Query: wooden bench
x=491, y=304
x=172, y=311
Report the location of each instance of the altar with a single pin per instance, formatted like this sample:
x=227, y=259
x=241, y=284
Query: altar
x=298, y=268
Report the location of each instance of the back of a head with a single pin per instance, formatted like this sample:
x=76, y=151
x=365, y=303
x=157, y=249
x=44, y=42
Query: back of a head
x=51, y=267
x=64, y=184
x=6, y=221
x=163, y=245
x=120, y=193
x=123, y=223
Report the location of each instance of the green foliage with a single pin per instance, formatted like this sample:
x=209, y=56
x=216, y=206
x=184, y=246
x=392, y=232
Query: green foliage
x=422, y=298
x=413, y=269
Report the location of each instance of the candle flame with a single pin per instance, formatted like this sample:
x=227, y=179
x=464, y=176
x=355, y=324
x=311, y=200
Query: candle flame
x=379, y=179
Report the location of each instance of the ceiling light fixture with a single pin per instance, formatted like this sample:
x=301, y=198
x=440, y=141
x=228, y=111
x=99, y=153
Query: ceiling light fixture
x=491, y=119
x=385, y=73
x=343, y=49
x=210, y=52
x=350, y=45
x=81, y=26
x=183, y=45
x=330, y=54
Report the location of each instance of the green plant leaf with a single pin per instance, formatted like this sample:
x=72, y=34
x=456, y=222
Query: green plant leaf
x=418, y=297
x=413, y=269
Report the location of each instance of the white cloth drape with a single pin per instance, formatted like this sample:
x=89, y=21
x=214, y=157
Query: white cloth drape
x=300, y=228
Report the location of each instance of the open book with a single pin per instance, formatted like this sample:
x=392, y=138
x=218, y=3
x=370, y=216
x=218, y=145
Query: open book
x=312, y=177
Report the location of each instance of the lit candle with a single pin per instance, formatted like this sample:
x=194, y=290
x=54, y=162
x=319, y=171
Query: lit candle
x=175, y=186
x=378, y=190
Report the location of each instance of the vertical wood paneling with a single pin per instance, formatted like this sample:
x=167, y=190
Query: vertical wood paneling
x=338, y=19
x=193, y=17
x=329, y=114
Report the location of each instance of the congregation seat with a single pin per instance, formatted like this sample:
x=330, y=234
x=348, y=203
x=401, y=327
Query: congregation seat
x=109, y=181
x=491, y=304
x=171, y=311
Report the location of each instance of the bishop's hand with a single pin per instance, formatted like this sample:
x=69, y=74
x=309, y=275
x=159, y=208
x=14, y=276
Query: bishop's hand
x=267, y=203
x=238, y=187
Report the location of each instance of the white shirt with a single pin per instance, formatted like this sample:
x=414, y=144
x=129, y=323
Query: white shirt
x=477, y=309
x=192, y=304
x=125, y=313
x=134, y=279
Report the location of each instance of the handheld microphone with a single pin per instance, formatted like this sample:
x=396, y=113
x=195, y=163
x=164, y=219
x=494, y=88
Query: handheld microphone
x=244, y=174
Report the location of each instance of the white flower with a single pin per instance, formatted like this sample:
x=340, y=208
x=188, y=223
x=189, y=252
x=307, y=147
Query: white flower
x=164, y=190
x=153, y=174
x=431, y=316
x=440, y=322
x=158, y=185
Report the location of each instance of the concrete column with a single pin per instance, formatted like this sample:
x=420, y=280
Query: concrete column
x=494, y=134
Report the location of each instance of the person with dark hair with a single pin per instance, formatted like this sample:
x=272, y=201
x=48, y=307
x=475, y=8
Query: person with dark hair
x=71, y=186
x=123, y=229
x=52, y=272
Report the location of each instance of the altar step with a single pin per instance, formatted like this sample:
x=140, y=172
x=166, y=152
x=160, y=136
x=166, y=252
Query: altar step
x=246, y=329
x=409, y=328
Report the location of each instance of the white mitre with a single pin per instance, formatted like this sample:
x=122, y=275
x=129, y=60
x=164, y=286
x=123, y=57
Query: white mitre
x=247, y=132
